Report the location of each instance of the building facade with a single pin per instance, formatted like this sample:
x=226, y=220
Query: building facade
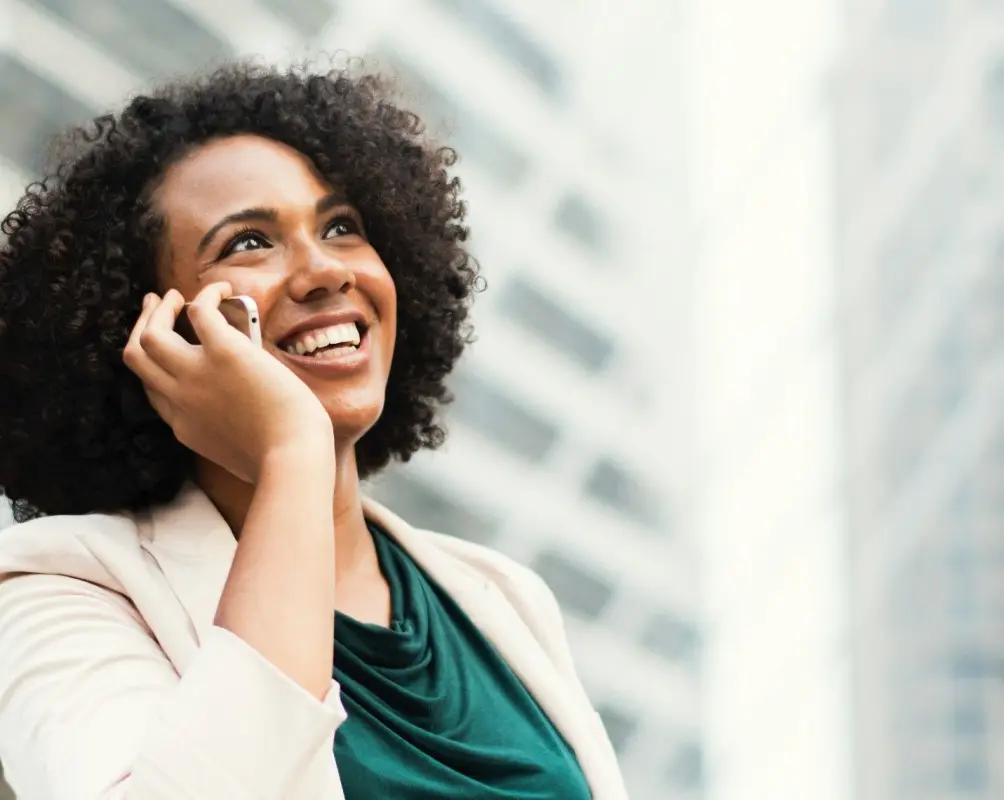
x=555, y=452
x=767, y=510
x=920, y=140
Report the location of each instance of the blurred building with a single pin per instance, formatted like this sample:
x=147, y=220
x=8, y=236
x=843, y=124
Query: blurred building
x=767, y=511
x=567, y=441
x=920, y=143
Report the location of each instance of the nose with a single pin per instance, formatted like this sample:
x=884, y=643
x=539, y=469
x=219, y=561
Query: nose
x=317, y=272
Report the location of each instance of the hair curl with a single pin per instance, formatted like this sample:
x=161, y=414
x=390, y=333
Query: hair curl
x=77, y=433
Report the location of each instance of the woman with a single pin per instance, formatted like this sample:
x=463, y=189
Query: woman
x=203, y=604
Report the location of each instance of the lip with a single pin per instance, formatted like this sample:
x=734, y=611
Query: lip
x=325, y=321
x=343, y=361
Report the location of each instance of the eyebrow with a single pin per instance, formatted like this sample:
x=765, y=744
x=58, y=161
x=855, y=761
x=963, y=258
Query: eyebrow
x=247, y=215
x=264, y=215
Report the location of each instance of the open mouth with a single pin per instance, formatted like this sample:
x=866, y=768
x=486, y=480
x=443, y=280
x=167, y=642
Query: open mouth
x=332, y=340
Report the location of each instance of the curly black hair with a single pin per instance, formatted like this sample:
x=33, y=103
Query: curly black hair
x=77, y=434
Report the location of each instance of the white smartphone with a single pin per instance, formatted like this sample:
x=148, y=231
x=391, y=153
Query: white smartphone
x=240, y=311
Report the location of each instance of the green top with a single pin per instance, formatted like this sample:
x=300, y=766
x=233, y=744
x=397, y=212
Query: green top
x=433, y=710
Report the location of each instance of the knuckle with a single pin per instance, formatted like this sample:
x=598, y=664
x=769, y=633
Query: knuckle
x=149, y=339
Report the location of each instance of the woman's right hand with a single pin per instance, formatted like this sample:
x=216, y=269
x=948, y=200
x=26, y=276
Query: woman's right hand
x=227, y=400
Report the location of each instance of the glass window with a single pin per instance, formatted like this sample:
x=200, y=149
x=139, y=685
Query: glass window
x=615, y=487
x=686, y=765
x=670, y=637
x=424, y=506
x=467, y=132
x=555, y=325
x=969, y=718
x=575, y=587
x=915, y=16
x=580, y=220
x=968, y=665
x=34, y=110
x=970, y=774
x=510, y=40
x=619, y=724
x=500, y=417
x=309, y=17
x=154, y=37
x=994, y=96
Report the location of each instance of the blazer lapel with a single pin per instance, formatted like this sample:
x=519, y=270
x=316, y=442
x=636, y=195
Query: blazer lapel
x=495, y=616
x=194, y=548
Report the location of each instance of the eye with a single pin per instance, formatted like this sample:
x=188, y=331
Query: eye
x=343, y=225
x=243, y=241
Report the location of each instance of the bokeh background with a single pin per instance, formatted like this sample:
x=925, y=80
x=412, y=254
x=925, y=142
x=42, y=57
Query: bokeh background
x=738, y=393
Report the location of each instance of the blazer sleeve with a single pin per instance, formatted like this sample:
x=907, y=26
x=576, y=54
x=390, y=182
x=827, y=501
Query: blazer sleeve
x=91, y=709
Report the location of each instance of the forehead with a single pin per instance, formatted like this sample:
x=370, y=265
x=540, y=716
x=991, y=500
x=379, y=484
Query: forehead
x=236, y=173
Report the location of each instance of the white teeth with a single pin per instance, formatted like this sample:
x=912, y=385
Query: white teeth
x=345, y=334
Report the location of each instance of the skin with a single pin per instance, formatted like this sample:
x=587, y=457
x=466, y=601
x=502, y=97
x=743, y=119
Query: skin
x=274, y=434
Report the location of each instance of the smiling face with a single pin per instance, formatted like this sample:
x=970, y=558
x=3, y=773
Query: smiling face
x=255, y=213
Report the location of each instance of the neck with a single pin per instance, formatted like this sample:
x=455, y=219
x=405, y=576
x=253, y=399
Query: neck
x=354, y=550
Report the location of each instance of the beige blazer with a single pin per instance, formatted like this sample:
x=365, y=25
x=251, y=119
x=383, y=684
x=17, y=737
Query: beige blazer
x=114, y=682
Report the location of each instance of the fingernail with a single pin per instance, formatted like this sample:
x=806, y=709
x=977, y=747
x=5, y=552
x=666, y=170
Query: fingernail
x=147, y=300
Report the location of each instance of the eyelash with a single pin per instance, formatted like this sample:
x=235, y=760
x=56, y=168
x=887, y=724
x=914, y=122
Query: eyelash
x=243, y=233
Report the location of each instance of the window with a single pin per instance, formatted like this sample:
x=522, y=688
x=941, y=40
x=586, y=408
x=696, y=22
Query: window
x=969, y=718
x=575, y=588
x=670, y=637
x=994, y=96
x=580, y=220
x=555, y=325
x=34, y=111
x=968, y=665
x=619, y=724
x=424, y=506
x=309, y=17
x=154, y=37
x=472, y=136
x=915, y=16
x=970, y=774
x=509, y=39
x=613, y=486
x=686, y=766
x=500, y=417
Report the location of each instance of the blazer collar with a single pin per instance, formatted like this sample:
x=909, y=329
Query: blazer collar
x=194, y=548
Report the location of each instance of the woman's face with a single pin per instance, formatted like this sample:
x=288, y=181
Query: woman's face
x=255, y=213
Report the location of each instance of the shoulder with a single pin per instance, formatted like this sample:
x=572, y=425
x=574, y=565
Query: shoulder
x=513, y=578
x=517, y=582
x=82, y=547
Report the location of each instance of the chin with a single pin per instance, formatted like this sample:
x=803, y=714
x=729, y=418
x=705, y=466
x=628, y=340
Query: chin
x=352, y=418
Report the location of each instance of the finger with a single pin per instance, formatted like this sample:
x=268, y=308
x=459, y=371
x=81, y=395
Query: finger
x=146, y=368
x=150, y=303
x=214, y=294
x=166, y=312
x=133, y=349
x=209, y=323
x=161, y=343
